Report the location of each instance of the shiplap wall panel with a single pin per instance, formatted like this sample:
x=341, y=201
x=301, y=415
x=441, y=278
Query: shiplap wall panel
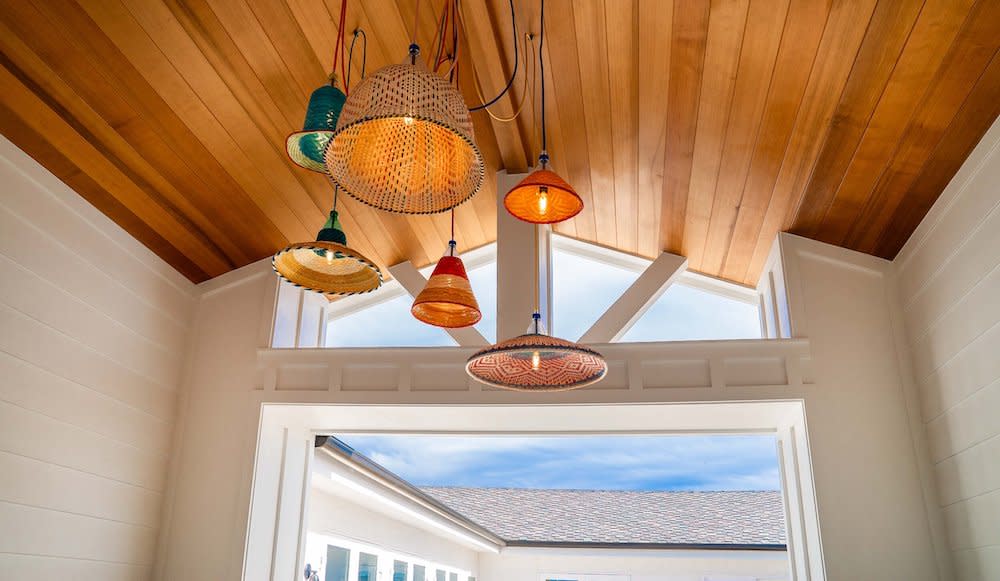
x=949, y=283
x=45, y=567
x=93, y=332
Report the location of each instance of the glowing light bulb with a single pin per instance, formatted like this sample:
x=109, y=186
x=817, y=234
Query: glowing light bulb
x=536, y=360
x=408, y=120
x=329, y=257
x=543, y=200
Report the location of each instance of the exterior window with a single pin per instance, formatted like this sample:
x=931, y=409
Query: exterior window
x=419, y=573
x=398, y=571
x=453, y=577
x=440, y=576
x=338, y=559
x=367, y=567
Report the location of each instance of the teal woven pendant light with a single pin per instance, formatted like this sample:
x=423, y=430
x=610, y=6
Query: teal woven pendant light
x=307, y=148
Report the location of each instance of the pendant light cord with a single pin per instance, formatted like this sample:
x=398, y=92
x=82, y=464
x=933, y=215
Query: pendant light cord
x=513, y=73
x=364, y=54
x=543, y=156
x=538, y=289
x=452, y=243
x=338, y=54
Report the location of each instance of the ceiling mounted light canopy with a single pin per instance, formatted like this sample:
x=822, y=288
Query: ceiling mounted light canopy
x=447, y=300
x=404, y=142
x=327, y=265
x=536, y=362
x=307, y=148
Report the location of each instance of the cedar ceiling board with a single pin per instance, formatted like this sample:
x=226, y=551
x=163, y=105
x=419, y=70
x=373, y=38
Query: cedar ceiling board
x=764, y=26
x=956, y=77
x=842, y=36
x=654, y=19
x=726, y=27
x=592, y=51
x=963, y=134
x=925, y=49
x=845, y=124
x=800, y=39
x=621, y=20
x=101, y=125
x=687, y=59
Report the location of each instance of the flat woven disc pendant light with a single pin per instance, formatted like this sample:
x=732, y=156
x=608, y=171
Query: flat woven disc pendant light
x=327, y=265
x=447, y=300
x=536, y=362
x=404, y=142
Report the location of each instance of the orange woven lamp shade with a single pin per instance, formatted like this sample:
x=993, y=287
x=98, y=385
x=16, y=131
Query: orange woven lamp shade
x=447, y=300
x=534, y=362
x=543, y=198
x=404, y=143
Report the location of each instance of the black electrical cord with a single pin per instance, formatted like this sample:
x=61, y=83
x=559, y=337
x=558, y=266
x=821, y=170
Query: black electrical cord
x=350, y=54
x=541, y=68
x=510, y=81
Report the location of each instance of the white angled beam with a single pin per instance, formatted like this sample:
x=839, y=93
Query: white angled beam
x=620, y=316
x=414, y=282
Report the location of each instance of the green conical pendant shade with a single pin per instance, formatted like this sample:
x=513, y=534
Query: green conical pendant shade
x=327, y=265
x=307, y=148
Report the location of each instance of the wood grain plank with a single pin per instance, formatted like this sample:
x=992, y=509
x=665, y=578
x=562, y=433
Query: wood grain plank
x=800, y=40
x=621, y=20
x=726, y=27
x=653, y=61
x=764, y=27
x=687, y=59
x=838, y=48
x=955, y=80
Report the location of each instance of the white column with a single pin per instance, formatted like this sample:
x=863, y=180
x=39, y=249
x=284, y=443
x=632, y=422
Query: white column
x=515, y=265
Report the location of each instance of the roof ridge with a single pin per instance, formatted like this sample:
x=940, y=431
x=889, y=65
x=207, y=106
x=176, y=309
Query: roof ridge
x=447, y=487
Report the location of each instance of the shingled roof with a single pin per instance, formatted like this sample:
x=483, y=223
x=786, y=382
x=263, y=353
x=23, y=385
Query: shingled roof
x=744, y=519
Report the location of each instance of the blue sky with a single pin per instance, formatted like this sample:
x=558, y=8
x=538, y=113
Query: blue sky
x=726, y=462
x=582, y=290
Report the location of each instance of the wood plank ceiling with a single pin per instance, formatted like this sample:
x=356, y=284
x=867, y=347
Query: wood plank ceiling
x=698, y=127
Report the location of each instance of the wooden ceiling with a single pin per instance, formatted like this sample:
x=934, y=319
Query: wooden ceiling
x=698, y=127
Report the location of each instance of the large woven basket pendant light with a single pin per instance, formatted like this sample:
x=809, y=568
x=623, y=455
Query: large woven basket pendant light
x=404, y=142
x=447, y=299
x=543, y=197
x=535, y=361
x=328, y=265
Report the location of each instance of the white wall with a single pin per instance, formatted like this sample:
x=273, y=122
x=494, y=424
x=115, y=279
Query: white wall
x=948, y=278
x=526, y=564
x=342, y=515
x=92, y=339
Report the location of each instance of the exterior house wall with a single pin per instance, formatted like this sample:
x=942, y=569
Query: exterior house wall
x=340, y=516
x=949, y=288
x=93, y=330
x=537, y=564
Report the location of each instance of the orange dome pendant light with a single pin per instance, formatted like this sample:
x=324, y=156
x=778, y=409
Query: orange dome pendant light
x=327, y=265
x=543, y=197
x=404, y=141
x=447, y=299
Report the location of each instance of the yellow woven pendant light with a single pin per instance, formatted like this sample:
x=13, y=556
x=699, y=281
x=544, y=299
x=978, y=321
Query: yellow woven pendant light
x=327, y=265
x=404, y=142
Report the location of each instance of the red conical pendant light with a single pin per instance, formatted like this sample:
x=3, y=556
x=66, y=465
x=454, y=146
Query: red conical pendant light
x=447, y=299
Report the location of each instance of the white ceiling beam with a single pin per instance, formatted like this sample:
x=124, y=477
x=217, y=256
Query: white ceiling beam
x=634, y=302
x=410, y=279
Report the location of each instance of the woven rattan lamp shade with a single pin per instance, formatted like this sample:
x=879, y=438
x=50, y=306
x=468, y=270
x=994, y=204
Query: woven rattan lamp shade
x=543, y=198
x=535, y=362
x=307, y=148
x=327, y=265
x=404, y=143
x=447, y=300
